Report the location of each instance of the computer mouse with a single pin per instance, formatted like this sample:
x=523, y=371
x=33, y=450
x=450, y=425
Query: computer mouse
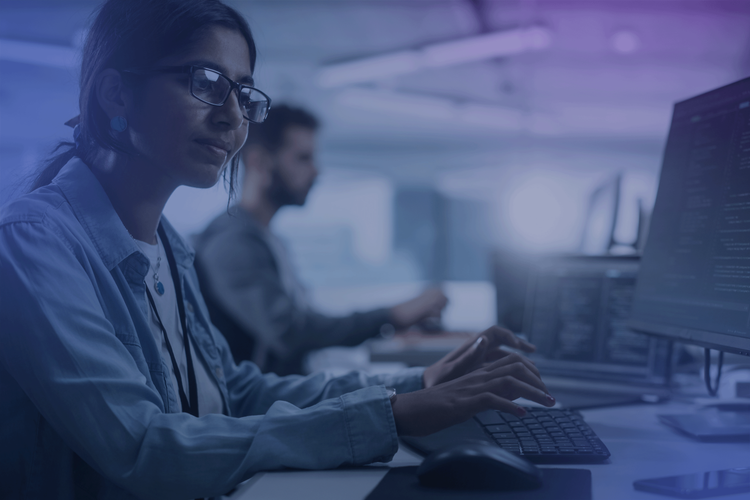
x=478, y=466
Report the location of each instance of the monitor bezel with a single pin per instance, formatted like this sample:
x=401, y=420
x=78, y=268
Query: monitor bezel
x=706, y=338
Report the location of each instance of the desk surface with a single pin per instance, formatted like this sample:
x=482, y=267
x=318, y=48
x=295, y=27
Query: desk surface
x=641, y=448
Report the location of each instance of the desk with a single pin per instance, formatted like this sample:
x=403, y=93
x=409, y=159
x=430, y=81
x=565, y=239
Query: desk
x=641, y=448
x=416, y=348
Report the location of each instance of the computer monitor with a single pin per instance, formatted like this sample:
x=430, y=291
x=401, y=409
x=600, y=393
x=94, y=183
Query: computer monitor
x=694, y=281
x=576, y=315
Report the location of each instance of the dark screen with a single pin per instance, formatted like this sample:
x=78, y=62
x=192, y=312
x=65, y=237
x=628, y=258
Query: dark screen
x=694, y=280
x=578, y=319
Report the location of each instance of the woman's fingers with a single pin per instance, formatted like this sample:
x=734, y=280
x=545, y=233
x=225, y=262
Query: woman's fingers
x=459, y=351
x=514, y=388
x=472, y=357
x=521, y=372
x=500, y=336
x=490, y=401
x=511, y=358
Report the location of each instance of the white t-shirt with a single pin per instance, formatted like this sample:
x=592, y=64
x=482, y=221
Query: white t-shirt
x=209, y=396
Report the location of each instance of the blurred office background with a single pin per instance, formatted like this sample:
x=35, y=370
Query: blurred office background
x=459, y=136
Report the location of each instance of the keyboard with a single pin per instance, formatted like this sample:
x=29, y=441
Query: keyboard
x=544, y=436
x=548, y=436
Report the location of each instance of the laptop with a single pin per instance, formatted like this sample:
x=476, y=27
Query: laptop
x=576, y=314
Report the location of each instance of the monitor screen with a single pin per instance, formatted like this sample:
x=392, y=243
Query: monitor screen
x=694, y=282
x=576, y=315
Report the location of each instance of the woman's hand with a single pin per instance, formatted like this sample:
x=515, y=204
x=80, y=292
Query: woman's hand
x=477, y=352
x=477, y=376
x=491, y=387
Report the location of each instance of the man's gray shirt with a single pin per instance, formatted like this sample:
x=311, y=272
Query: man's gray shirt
x=257, y=301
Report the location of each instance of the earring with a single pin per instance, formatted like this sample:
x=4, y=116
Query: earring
x=118, y=123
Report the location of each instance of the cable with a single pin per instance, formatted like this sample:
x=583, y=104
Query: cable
x=707, y=371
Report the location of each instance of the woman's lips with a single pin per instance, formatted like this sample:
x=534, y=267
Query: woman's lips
x=214, y=149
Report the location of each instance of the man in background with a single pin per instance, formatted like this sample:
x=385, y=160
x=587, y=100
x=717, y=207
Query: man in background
x=252, y=291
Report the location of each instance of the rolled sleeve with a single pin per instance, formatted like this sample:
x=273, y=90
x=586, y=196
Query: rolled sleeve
x=370, y=425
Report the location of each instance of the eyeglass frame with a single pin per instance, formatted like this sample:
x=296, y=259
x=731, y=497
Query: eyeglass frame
x=189, y=70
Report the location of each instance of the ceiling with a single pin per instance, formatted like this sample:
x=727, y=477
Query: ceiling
x=601, y=88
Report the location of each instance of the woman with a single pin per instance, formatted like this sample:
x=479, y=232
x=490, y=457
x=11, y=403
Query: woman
x=114, y=382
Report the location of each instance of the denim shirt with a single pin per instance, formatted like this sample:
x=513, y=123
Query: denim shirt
x=87, y=409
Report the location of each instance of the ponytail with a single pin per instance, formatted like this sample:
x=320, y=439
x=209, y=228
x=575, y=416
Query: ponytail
x=53, y=165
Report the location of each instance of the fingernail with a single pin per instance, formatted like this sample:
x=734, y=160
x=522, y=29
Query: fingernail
x=520, y=411
x=550, y=399
x=478, y=343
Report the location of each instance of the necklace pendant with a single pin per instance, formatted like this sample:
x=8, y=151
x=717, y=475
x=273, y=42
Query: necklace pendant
x=159, y=287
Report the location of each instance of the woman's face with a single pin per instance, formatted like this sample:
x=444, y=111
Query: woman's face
x=182, y=140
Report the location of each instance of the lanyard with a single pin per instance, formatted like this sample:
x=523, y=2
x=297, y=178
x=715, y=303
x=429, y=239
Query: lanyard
x=192, y=387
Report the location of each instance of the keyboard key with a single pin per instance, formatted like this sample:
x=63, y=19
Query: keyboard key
x=506, y=441
x=504, y=435
x=497, y=428
x=489, y=417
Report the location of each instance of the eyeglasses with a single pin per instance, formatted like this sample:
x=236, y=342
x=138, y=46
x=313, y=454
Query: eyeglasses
x=210, y=86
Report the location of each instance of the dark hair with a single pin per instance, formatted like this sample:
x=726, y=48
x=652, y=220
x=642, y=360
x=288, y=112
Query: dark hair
x=270, y=133
x=137, y=33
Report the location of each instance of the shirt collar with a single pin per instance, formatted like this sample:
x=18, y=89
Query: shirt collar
x=96, y=214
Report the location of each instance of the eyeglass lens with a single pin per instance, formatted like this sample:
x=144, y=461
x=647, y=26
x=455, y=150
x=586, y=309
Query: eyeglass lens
x=213, y=88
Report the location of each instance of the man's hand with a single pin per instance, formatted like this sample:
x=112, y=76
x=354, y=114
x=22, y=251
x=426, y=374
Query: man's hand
x=428, y=304
x=476, y=352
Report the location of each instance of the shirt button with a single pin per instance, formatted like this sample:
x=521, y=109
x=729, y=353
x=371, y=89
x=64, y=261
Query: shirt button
x=218, y=372
x=190, y=307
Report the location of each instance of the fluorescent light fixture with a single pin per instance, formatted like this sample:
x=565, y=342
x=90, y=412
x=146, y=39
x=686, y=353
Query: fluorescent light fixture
x=399, y=103
x=431, y=108
x=42, y=54
x=582, y=120
x=475, y=48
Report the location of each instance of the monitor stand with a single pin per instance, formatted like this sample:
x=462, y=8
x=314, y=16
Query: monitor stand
x=722, y=422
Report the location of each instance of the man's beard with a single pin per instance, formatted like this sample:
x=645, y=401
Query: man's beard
x=280, y=194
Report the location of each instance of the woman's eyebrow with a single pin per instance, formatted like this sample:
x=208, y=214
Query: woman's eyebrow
x=245, y=80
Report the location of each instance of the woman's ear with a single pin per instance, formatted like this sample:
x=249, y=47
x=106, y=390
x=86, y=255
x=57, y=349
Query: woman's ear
x=111, y=93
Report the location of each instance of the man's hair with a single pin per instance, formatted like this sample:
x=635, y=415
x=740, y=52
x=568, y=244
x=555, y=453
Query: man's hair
x=270, y=133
